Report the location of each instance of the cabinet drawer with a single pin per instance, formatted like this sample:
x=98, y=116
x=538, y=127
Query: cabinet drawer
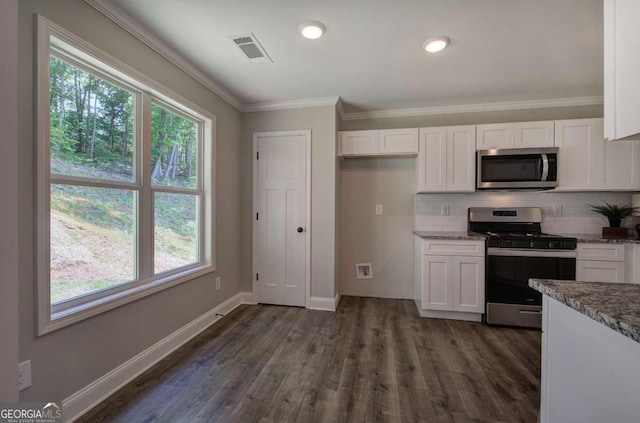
x=600, y=271
x=601, y=252
x=452, y=248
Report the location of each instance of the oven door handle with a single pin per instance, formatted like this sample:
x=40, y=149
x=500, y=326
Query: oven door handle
x=530, y=252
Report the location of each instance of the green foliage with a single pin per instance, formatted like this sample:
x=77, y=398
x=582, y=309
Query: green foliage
x=614, y=213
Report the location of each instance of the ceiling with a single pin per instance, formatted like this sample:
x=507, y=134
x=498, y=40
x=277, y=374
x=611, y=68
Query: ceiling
x=501, y=51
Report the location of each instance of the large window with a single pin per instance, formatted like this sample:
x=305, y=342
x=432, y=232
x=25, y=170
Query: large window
x=125, y=189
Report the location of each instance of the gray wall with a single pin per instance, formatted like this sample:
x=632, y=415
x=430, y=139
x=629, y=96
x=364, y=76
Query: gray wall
x=9, y=203
x=68, y=359
x=387, y=241
x=322, y=122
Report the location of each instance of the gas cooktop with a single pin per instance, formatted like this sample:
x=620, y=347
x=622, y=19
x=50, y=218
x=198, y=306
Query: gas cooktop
x=517, y=227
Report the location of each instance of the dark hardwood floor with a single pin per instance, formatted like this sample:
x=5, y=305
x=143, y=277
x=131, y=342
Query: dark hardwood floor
x=373, y=360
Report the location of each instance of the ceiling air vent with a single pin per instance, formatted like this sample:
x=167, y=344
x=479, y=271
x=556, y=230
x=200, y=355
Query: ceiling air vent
x=251, y=48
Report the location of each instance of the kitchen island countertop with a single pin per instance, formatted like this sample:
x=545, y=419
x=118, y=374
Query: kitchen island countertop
x=615, y=305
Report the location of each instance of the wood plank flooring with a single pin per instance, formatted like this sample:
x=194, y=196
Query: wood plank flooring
x=373, y=360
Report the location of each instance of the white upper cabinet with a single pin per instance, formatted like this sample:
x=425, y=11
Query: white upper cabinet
x=589, y=163
x=577, y=140
x=399, y=141
x=387, y=142
x=495, y=135
x=534, y=134
x=618, y=165
x=446, y=161
x=432, y=160
x=621, y=65
x=358, y=142
x=515, y=135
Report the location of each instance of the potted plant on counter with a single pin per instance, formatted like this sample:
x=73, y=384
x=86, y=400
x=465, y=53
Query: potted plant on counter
x=614, y=214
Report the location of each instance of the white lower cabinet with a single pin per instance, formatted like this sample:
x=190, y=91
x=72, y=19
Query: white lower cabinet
x=589, y=372
x=450, y=279
x=598, y=262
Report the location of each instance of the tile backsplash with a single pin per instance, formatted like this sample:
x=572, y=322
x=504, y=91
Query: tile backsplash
x=576, y=217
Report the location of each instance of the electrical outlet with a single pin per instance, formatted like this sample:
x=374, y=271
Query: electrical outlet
x=24, y=375
x=378, y=209
x=218, y=280
x=444, y=210
x=557, y=210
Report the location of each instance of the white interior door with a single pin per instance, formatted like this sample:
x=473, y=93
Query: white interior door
x=281, y=222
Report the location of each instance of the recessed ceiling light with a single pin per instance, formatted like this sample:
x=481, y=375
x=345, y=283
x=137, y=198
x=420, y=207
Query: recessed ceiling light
x=311, y=30
x=435, y=44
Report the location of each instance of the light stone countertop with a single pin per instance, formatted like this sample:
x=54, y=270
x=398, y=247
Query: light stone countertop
x=597, y=238
x=616, y=305
x=461, y=236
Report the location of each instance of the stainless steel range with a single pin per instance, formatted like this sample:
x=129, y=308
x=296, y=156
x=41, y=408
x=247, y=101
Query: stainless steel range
x=516, y=251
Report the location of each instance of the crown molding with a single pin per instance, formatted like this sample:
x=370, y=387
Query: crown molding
x=340, y=108
x=126, y=22
x=292, y=104
x=474, y=108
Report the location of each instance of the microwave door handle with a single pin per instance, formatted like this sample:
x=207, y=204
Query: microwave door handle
x=545, y=167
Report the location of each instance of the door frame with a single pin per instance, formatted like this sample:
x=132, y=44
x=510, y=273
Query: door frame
x=307, y=134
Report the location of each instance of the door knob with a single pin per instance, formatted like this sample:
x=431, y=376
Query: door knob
x=300, y=229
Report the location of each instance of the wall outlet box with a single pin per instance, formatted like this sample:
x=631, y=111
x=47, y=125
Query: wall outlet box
x=557, y=210
x=378, y=209
x=364, y=271
x=444, y=210
x=218, y=280
x=24, y=375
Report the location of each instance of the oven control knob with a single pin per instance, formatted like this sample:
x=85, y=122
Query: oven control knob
x=555, y=244
x=507, y=243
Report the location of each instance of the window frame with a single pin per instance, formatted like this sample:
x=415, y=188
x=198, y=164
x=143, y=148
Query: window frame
x=53, y=39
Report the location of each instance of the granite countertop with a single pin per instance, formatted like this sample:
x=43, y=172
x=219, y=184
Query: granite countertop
x=449, y=235
x=597, y=238
x=616, y=305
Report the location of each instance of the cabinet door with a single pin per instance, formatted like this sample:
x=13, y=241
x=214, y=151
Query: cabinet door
x=534, y=134
x=578, y=141
x=495, y=135
x=600, y=271
x=468, y=284
x=432, y=160
x=358, y=143
x=618, y=165
x=436, y=283
x=621, y=63
x=398, y=141
x=461, y=154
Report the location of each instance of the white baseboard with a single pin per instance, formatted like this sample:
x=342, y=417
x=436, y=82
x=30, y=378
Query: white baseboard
x=91, y=395
x=323, y=303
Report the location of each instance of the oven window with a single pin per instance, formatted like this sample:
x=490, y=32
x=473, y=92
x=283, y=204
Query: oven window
x=508, y=277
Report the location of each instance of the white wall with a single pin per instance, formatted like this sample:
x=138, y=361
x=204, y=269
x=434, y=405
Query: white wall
x=322, y=122
x=385, y=241
x=9, y=203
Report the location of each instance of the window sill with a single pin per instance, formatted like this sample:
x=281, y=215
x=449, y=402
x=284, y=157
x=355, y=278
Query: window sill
x=84, y=311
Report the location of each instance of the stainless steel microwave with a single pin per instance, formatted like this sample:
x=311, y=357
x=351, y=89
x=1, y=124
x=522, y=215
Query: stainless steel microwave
x=518, y=168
